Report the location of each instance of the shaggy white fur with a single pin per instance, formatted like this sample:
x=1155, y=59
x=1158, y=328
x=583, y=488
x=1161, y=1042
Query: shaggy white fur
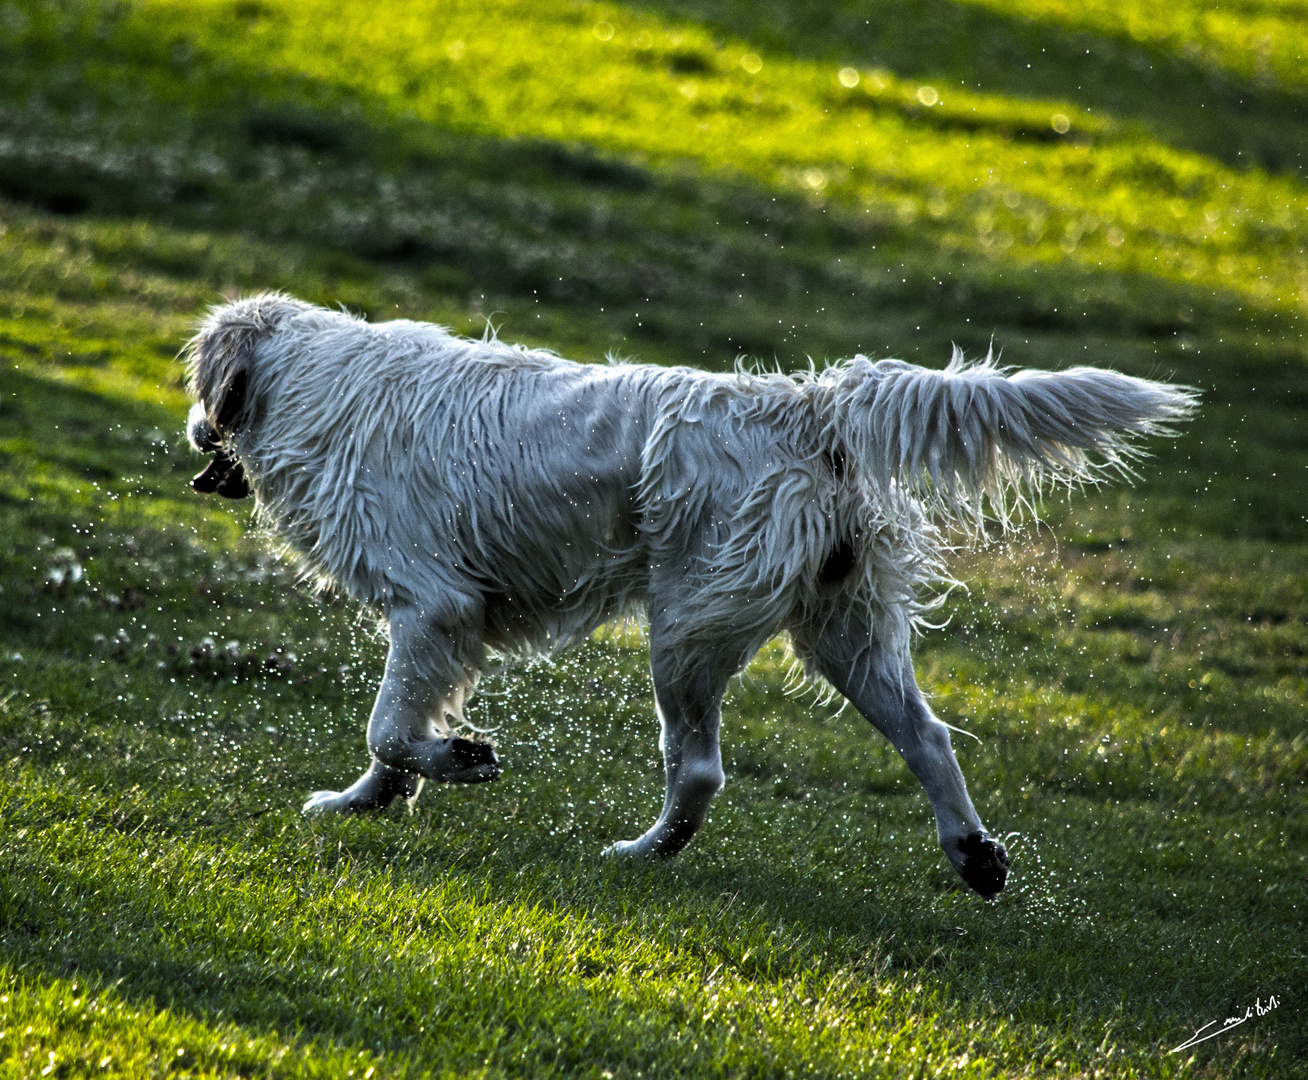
x=481, y=495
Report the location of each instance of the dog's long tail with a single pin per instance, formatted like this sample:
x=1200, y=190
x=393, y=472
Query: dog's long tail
x=958, y=438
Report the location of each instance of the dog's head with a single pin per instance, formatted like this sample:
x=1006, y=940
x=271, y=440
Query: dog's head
x=220, y=361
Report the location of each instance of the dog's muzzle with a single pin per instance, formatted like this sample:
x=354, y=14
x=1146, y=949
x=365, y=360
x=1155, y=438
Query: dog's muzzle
x=224, y=474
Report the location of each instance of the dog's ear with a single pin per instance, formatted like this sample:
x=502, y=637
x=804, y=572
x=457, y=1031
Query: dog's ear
x=231, y=402
x=222, y=357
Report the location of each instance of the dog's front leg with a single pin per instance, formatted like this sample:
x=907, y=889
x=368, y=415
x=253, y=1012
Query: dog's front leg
x=883, y=688
x=374, y=790
x=689, y=700
x=425, y=684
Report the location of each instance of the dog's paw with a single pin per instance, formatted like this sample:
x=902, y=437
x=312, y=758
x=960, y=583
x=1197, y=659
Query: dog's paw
x=332, y=802
x=985, y=864
x=374, y=790
x=471, y=762
x=630, y=850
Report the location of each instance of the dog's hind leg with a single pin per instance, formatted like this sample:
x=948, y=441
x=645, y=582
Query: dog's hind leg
x=428, y=677
x=882, y=687
x=688, y=692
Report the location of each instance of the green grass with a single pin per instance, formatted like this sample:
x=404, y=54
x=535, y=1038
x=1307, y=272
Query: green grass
x=1135, y=672
x=661, y=91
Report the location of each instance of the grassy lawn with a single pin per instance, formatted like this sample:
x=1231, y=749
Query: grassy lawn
x=678, y=182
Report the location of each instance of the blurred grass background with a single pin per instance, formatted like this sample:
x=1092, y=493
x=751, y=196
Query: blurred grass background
x=678, y=182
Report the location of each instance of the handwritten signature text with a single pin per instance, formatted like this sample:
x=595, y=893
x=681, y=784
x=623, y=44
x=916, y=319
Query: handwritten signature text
x=1258, y=1008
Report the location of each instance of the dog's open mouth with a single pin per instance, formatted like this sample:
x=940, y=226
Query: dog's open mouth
x=223, y=476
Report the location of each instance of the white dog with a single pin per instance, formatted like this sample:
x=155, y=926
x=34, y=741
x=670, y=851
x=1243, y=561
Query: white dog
x=479, y=495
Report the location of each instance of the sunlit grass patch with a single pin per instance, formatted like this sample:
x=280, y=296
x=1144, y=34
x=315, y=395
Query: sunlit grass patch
x=777, y=262
x=72, y=1027
x=663, y=91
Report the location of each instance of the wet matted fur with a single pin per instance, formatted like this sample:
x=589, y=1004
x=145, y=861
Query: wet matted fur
x=478, y=495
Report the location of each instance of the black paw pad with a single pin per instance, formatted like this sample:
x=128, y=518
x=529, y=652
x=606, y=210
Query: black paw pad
x=985, y=866
x=475, y=757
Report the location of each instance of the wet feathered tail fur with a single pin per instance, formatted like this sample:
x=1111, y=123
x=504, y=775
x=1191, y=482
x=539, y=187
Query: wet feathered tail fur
x=969, y=435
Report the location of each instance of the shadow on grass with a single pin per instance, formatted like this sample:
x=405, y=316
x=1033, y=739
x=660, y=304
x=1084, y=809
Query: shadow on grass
x=1188, y=103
